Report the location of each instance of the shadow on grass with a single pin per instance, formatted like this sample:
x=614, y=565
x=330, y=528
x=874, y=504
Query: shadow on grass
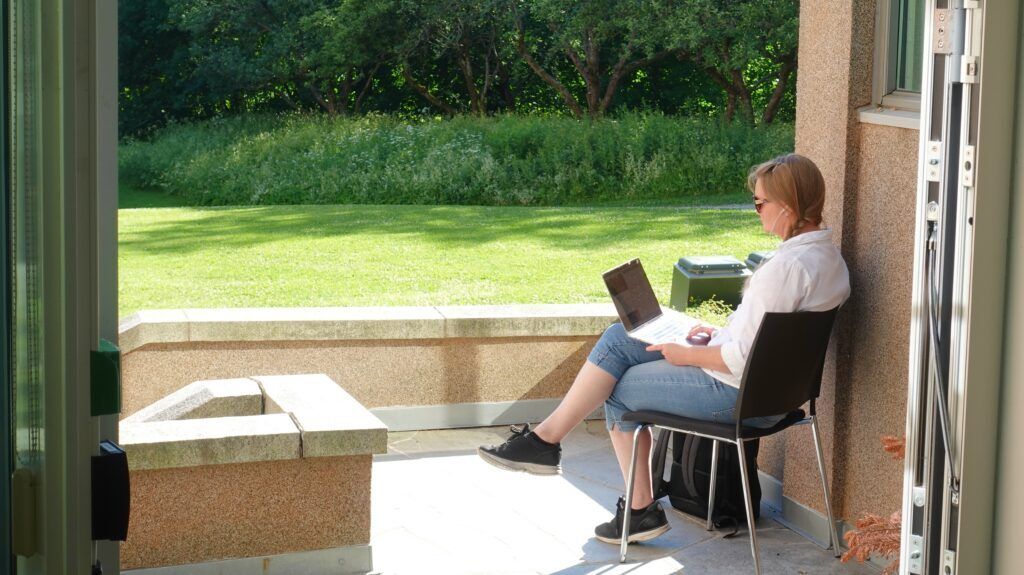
x=443, y=226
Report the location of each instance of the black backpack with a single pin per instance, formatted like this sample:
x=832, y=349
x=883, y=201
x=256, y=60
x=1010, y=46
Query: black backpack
x=690, y=477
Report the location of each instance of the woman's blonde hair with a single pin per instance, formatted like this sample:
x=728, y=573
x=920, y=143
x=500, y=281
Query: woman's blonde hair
x=795, y=182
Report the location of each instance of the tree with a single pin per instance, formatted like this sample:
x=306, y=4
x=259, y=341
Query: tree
x=606, y=41
x=355, y=41
x=197, y=58
x=301, y=52
x=456, y=53
x=153, y=68
x=743, y=45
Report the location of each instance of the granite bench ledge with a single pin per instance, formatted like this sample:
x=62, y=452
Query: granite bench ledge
x=302, y=416
x=331, y=422
x=362, y=323
x=212, y=441
x=204, y=399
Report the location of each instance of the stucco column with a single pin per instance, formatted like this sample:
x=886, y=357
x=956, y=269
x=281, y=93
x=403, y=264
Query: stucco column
x=834, y=79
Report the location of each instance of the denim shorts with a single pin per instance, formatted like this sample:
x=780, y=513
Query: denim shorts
x=645, y=380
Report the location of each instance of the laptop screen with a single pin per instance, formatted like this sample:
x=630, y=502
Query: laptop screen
x=632, y=294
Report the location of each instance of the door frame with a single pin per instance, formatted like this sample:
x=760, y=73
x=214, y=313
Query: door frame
x=6, y=379
x=962, y=533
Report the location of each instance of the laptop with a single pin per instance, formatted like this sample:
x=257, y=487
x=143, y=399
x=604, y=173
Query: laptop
x=639, y=310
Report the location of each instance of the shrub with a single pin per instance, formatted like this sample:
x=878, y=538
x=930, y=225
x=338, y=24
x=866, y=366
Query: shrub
x=503, y=160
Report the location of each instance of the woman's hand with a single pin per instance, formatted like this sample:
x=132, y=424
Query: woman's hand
x=709, y=357
x=674, y=353
x=704, y=329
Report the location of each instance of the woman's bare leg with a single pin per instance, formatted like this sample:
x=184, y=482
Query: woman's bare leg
x=622, y=442
x=589, y=390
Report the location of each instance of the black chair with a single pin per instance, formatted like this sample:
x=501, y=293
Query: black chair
x=783, y=372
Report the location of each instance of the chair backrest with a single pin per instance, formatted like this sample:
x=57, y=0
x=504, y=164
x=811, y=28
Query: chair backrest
x=785, y=364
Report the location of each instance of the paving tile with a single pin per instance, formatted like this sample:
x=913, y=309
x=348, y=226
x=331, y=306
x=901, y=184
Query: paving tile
x=781, y=551
x=438, y=508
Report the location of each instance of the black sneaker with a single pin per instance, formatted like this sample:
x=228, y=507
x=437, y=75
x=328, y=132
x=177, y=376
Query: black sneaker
x=643, y=525
x=524, y=451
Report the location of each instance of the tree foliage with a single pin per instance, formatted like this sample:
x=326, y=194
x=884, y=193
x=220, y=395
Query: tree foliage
x=606, y=41
x=154, y=70
x=743, y=46
x=187, y=59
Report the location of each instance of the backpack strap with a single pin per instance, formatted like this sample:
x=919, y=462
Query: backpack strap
x=689, y=462
x=658, y=456
x=721, y=521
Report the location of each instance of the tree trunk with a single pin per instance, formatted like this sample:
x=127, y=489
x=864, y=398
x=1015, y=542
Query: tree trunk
x=345, y=92
x=476, y=104
x=746, y=107
x=288, y=99
x=623, y=70
x=324, y=103
x=593, y=75
x=423, y=91
x=550, y=80
x=505, y=86
x=366, y=88
x=730, y=91
x=780, y=91
x=589, y=68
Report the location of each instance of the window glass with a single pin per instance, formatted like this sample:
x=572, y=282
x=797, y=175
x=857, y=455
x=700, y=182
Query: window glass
x=909, y=44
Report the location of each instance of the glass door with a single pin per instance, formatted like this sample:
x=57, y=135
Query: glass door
x=6, y=421
x=24, y=270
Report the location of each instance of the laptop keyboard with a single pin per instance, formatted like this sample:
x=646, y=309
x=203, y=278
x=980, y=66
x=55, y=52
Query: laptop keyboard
x=667, y=331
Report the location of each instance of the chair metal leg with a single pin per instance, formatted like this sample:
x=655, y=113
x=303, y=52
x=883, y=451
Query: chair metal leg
x=714, y=476
x=629, y=494
x=833, y=542
x=749, y=506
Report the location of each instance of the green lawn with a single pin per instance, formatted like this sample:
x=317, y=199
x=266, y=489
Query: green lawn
x=291, y=256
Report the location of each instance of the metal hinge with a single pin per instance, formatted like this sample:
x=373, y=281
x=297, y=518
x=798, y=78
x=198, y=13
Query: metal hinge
x=949, y=562
x=919, y=494
x=967, y=167
x=23, y=513
x=968, y=69
x=942, y=43
x=916, y=556
x=933, y=161
x=919, y=497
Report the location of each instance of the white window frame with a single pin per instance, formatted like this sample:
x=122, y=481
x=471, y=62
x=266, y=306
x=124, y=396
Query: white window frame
x=888, y=106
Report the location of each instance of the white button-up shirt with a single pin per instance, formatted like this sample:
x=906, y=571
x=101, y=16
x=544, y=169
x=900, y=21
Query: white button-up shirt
x=807, y=273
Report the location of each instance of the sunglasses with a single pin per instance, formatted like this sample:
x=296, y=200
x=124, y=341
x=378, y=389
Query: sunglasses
x=759, y=204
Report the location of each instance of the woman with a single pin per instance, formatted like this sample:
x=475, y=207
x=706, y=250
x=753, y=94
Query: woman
x=807, y=273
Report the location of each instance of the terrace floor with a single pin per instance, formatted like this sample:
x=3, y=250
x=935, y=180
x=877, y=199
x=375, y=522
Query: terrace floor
x=438, y=508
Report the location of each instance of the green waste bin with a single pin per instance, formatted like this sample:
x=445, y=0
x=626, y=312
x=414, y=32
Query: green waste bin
x=755, y=259
x=697, y=278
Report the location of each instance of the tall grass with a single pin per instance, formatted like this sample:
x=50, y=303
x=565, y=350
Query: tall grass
x=505, y=160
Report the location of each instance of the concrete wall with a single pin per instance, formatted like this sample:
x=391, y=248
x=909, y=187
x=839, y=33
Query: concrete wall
x=212, y=512
x=377, y=373
x=251, y=471
x=384, y=357
x=872, y=383
x=165, y=351
x=870, y=174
